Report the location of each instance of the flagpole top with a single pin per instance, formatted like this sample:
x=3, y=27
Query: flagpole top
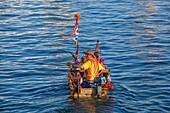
x=77, y=15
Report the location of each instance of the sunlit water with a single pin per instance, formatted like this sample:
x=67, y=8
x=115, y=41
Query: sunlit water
x=134, y=40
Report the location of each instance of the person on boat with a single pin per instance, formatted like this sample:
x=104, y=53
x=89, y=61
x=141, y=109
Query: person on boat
x=91, y=65
x=101, y=60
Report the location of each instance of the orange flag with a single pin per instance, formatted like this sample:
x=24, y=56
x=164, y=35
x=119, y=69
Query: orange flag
x=75, y=30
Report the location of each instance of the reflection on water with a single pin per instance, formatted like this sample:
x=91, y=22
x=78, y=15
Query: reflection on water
x=147, y=31
x=88, y=105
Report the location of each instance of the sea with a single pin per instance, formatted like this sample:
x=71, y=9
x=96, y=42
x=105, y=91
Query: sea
x=134, y=40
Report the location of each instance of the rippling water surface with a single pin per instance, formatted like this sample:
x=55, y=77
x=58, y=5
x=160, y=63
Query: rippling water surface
x=134, y=40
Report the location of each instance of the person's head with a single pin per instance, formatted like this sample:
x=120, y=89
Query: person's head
x=89, y=54
x=102, y=61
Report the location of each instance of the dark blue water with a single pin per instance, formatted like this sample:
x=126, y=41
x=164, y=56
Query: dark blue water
x=134, y=40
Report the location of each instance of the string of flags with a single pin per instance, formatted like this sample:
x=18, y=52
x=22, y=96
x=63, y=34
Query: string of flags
x=76, y=33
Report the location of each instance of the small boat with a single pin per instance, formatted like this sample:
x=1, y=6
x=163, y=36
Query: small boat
x=97, y=89
x=81, y=87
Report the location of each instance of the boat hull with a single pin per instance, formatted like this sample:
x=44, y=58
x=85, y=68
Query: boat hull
x=77, y=91
x=88, y=92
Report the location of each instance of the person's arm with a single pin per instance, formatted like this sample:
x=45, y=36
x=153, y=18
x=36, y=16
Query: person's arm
x=78, y=66
x=84, y=66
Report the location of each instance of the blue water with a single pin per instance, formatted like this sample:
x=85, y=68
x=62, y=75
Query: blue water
x=134, y=40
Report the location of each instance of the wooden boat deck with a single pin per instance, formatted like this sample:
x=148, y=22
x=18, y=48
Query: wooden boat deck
x=84, y=92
